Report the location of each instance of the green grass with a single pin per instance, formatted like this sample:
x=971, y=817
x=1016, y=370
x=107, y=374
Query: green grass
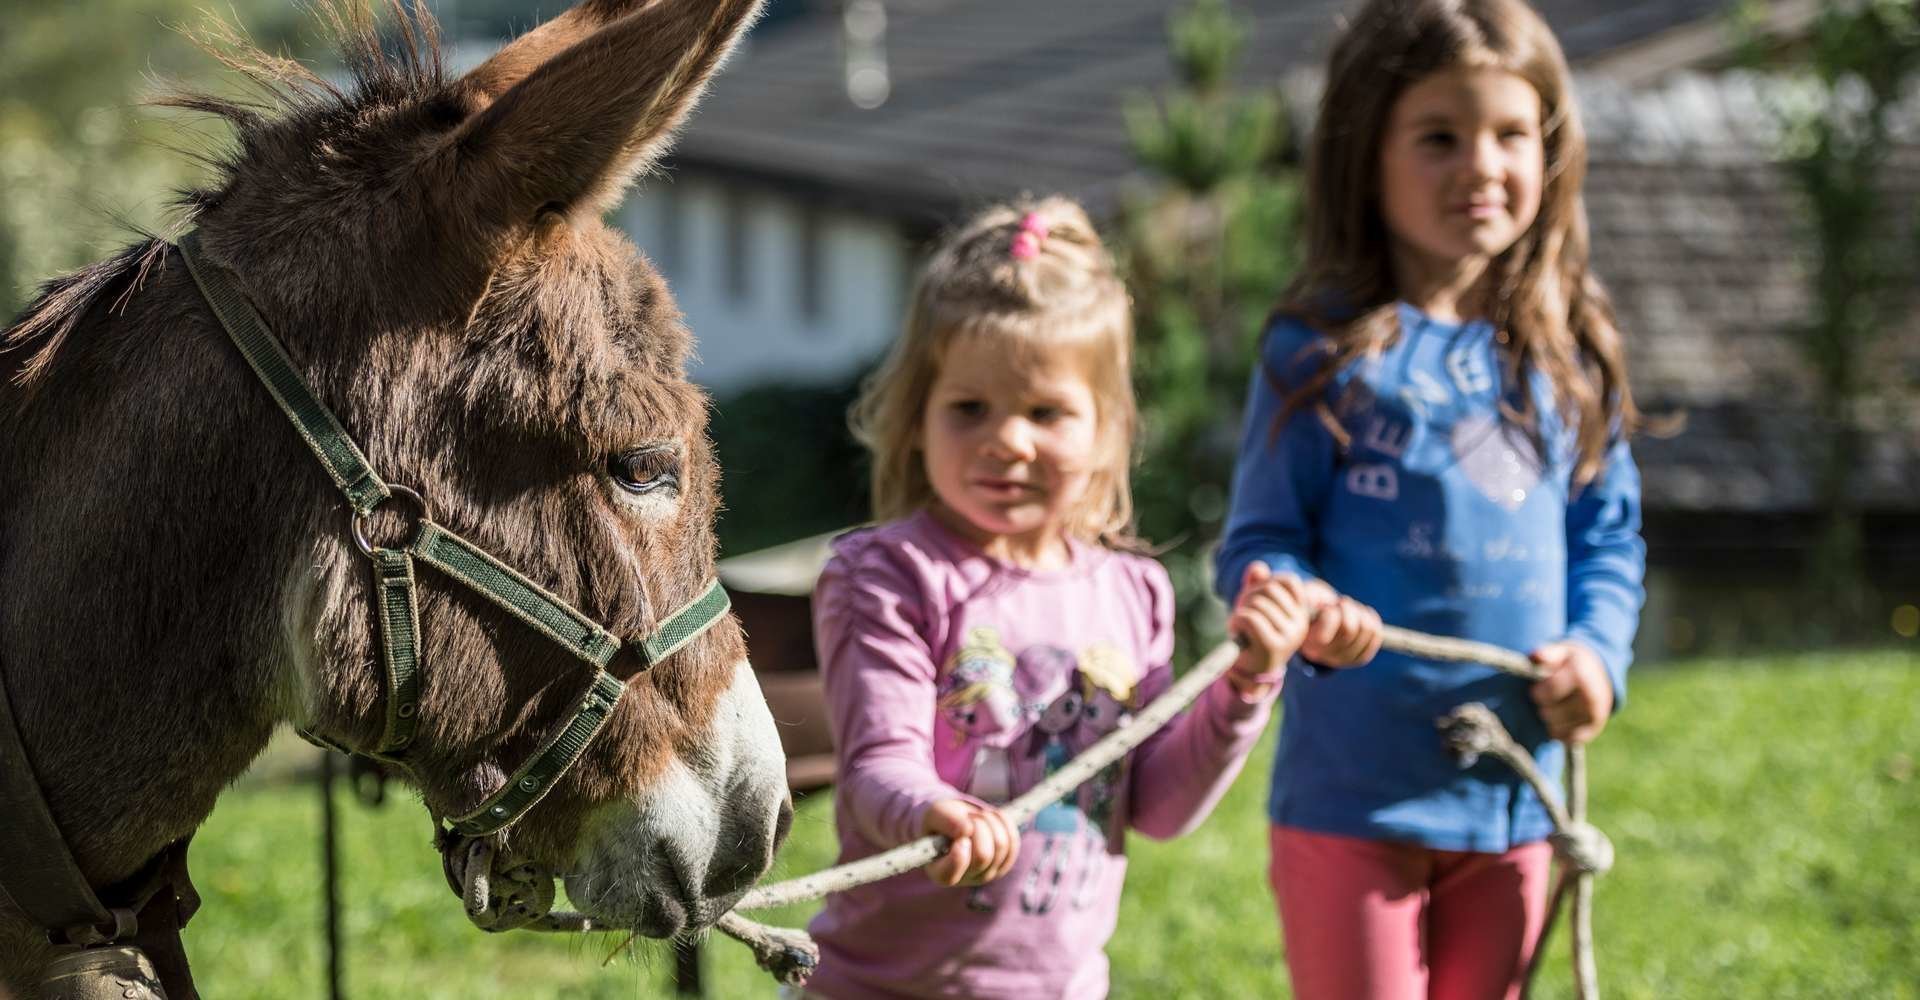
x=1767, y=816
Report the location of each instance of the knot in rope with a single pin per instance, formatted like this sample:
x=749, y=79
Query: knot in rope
x=1583, y=846
x=1472, y=730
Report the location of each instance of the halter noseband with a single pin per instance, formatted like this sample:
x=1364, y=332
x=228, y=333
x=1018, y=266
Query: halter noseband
x=457, y=558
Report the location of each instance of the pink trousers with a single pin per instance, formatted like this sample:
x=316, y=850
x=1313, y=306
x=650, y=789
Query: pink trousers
x=1382, y=920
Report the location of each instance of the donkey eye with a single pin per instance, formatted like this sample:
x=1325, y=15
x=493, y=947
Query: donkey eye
x=645, y=470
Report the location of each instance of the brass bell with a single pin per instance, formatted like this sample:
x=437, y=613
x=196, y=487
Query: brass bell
x=107, y=972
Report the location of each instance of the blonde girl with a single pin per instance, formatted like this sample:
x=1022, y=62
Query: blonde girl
x=1437, y=431
x=1001, y=428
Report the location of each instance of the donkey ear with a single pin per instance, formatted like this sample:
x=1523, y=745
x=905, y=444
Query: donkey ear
x=525, y=54
x=584, y=103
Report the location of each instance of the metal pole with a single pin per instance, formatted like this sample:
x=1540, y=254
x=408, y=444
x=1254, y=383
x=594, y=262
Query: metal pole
x=686, y=968
x=330, y=872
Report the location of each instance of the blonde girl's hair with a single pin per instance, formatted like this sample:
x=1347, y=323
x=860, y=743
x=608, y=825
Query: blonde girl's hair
x=1061, y=292
x=1555, y=316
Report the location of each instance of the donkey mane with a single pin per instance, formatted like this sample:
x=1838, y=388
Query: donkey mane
x=65, y=300
x=404, y=69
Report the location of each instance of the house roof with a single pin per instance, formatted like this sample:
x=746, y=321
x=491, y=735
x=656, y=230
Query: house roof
x=991, y=97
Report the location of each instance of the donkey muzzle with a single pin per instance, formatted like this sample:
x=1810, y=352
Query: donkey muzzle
x=686, y=848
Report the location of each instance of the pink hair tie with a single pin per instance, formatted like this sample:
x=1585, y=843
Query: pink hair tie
x=1026, y=242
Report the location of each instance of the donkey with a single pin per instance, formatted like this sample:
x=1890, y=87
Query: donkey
x=430, y=252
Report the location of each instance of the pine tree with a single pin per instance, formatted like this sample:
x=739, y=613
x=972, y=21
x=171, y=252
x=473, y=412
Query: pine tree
x=1207, y=250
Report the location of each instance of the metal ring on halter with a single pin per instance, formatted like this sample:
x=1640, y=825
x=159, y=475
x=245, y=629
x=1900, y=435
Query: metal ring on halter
x=123, y=927
x=359, y=522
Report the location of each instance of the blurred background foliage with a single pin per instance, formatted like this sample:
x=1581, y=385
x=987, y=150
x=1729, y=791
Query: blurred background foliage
x=81, y=161
x=774, y=490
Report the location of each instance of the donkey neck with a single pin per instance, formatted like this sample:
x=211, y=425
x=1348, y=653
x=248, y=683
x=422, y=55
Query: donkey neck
x=163, y=510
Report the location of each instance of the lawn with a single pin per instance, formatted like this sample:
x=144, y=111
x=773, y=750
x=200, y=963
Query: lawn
x=1765, y=814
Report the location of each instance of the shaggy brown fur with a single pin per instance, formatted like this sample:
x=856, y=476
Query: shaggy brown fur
x=175, y=577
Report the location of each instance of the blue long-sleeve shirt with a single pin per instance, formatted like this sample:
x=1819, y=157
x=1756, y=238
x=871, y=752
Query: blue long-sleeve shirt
x=1448, y=520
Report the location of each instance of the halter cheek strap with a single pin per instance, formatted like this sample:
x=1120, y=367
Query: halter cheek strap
x=396, y=584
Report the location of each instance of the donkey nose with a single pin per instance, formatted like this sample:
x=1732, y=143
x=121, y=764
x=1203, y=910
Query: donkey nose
x=783, y=825
x=741, y=863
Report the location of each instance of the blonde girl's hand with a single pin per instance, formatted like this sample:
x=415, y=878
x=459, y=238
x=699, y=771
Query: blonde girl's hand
x=1344, y=633
x=1270, y=618
x=1576, y=696
x=985, y=843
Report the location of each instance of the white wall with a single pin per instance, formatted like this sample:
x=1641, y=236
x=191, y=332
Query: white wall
x=763, y=332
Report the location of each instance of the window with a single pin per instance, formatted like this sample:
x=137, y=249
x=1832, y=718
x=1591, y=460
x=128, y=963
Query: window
x=810, y=269
x=669, y=249
x=738, y=247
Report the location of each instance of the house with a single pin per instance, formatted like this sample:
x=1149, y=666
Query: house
x=789, y=219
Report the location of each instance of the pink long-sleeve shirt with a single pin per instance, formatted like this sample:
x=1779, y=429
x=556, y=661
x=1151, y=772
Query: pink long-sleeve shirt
x=952, y=674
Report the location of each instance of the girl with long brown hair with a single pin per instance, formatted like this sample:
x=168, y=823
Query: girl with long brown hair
x=1437, y=436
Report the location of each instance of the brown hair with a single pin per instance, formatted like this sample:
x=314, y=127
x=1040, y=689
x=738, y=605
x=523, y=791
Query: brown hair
x=1553, y=312
x=1069, y=295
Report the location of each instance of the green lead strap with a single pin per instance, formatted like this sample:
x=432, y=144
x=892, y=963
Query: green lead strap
x=680, y=628
x=528, y=785
x=342, y=458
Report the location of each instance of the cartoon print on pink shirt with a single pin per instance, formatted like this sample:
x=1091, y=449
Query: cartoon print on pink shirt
x=1059, y=823
x=978, y=701
x=1111, y=698
x=1061, y=703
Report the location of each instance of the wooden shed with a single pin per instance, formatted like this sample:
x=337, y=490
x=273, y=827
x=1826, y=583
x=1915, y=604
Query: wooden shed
x=772, y=593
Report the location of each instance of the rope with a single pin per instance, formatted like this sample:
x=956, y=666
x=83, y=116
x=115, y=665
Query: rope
x=1446, y=649
x=789, y=954
x=1473, y=730
x=1583, y=850
x=1112, y=747
x=1586, y=974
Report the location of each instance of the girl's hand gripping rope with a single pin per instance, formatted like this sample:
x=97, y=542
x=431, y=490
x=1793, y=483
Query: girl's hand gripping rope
x=1279, y=615
x=985, y=843
x=1575, y=697
x=1345, y=632
x=1269, y=621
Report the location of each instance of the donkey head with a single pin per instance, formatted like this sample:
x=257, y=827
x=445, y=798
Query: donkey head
x=431, y=252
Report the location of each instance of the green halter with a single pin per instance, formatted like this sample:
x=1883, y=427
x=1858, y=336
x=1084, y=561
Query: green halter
x=459, y=559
